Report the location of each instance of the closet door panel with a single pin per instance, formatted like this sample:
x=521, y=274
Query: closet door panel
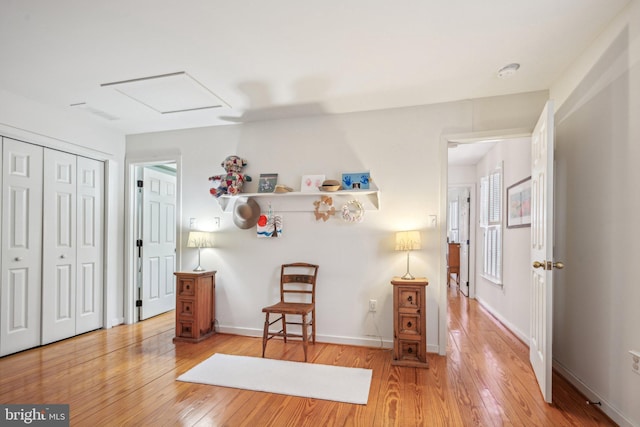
x=20, y=310
x=59, y=247
x=90, y=245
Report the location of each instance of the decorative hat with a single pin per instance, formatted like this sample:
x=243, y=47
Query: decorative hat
x=246, y=212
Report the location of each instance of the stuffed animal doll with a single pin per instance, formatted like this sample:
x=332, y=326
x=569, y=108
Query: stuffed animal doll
x=230, y=183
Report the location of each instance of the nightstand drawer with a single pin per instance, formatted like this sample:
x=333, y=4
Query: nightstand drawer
x=409, y=298
x=185, y=329
x=410, y=351
x=409, y=325
x=186, y=288
x=185, y=308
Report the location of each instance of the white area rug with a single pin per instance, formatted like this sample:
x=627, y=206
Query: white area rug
x=325, y=382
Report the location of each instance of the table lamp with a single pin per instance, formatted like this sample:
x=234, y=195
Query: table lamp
x=407, y=241
x=200, y=239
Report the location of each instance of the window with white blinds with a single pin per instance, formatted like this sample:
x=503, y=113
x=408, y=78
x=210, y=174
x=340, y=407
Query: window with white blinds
x=491, y=224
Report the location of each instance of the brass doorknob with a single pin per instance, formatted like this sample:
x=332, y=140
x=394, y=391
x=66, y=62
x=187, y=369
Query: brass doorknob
x=548, y=265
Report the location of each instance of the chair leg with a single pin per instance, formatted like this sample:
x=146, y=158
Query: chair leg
x=313, y=326
x=265, y=333
x=284, y=327
x=304, y=335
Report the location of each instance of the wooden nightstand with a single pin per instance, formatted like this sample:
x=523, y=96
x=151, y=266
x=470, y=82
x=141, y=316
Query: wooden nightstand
x=195, y=305
x=409, y=322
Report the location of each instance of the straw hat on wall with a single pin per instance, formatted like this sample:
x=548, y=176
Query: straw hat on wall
x=246, y=212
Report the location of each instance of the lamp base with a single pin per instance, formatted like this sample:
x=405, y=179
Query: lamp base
x=407, y=275
x=199, y=267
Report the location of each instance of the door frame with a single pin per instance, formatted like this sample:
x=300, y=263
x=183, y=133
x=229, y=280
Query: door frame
x=131, y=164
x=471, y=268
x=459, y=138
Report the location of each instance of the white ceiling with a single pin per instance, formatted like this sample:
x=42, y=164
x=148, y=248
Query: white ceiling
x=272, y=59
x=468, y=154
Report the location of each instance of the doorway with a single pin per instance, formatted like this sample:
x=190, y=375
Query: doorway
x=460, y=230
x=461, y=153
x=152, y=236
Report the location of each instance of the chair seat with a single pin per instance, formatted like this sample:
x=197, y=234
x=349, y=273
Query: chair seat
x=289, y=308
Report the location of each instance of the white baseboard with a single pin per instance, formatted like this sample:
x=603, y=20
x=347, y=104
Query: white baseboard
x=592, y=396
x=517, y=332
x=116, y=321
x=331, y=339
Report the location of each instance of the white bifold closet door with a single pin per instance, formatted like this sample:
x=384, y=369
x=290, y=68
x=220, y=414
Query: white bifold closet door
x=72, y=280
x=90, y=241
x=20, y=310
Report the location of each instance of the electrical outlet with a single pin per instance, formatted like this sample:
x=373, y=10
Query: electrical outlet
x=216, y=222
x=373, y=305
x=635, y=361
x=193, y=223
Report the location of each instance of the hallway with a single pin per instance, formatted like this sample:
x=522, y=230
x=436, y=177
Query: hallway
x=493, y=364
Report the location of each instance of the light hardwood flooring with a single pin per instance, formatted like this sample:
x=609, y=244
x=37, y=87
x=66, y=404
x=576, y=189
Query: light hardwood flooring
x=126, y=376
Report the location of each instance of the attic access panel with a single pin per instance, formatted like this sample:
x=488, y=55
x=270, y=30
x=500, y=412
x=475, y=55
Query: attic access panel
x=169, y=93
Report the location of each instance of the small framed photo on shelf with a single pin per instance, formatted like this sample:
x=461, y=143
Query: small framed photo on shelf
x=356, y=181
x=311, y=183
x=519, y=204
x=267, y=182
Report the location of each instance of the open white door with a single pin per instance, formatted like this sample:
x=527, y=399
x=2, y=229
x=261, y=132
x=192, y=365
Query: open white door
x=542, y=265
x=465, y=209
x=159, y=243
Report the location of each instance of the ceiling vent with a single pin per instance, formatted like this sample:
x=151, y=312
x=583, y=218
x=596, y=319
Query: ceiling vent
x=508, y=70
x=169, y=93
x=93, y=110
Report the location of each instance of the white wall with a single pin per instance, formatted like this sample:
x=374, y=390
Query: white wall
x=462, y=175
x=597, y=296
x=401, y=148
x=28, y=121
x=509, y=302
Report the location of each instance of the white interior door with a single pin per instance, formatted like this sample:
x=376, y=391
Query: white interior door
x=59, y=247
x=540, y=343
x=20, y=320
x=463, y=225
x=90, y=238
x=159, y=243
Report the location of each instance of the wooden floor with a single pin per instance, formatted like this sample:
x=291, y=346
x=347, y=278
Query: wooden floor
x=127, y=376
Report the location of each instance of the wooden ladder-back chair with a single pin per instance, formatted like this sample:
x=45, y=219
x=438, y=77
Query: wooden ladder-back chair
x=297, y=298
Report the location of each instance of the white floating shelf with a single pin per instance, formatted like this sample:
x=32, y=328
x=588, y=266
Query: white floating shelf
x=296, y=201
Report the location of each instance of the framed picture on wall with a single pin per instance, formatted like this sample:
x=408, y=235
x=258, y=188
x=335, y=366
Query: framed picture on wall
x=519, y=204
x=356, y=181
x=311, y=183
x=267, y=182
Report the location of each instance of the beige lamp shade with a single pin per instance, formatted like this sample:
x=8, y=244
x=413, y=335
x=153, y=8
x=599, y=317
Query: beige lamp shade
x=200, y=239
x=408, y=240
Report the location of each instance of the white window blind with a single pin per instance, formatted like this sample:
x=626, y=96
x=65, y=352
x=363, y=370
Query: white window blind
x=491, y=224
